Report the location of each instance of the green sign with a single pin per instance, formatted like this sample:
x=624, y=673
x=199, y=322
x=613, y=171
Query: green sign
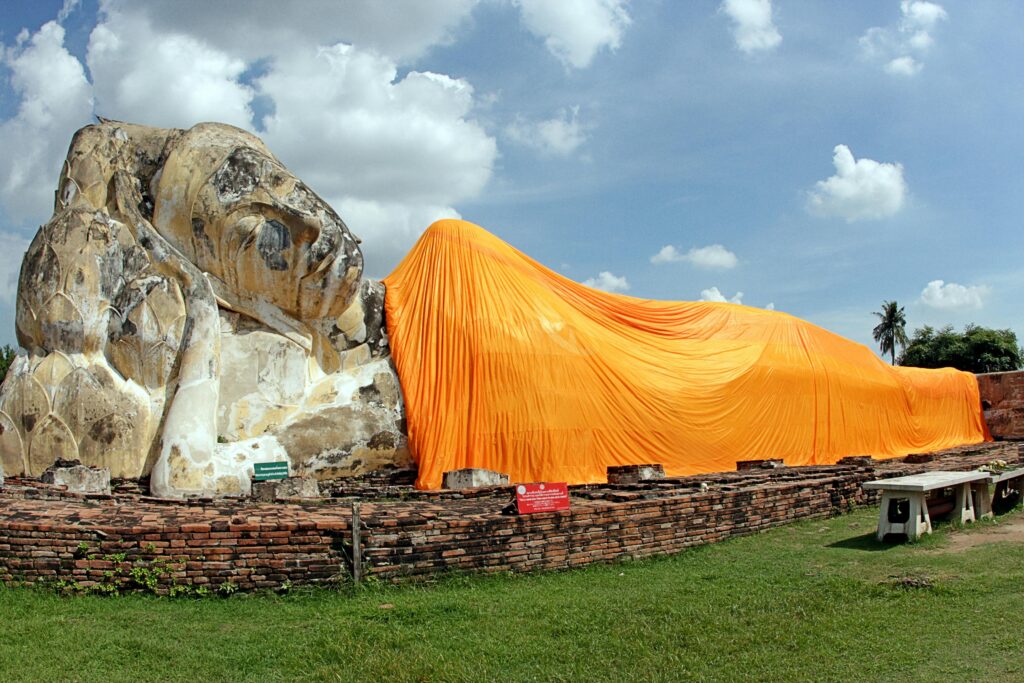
x=270, y=470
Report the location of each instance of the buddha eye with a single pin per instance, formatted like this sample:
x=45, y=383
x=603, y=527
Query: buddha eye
x=274, y=237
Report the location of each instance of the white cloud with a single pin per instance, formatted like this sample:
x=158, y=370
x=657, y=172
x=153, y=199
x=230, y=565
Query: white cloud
x=713, y=294
x=713, y=256
x=401, y=29
x=770, y=306
x=393, y=154
x=558, y=136
x=67, y=8
x=919, y=15
x=144, y=75
x=913, y=35
x=56, y=100
x=668, y=254
x=861, y=189
x=753, y=28
x=903, y=66
x=608, y=282
x=878, y=43
x=575, y=30
x=950, y=295
x=12, y=251
x=387, y=229
x=350, y=128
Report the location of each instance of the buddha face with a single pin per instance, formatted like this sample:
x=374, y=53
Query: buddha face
x=250, y=222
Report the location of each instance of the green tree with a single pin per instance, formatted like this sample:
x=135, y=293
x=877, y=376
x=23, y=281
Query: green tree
x=892, y=329
x=976, y=349
x=6, y=358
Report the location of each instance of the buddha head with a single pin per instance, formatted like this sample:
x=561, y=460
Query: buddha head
x=235, y=211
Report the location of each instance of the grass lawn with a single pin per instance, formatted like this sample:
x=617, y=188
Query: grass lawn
x=814, y=601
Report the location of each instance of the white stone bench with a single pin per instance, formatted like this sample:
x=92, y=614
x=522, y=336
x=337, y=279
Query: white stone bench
x=914, y=489
x=1002, y=480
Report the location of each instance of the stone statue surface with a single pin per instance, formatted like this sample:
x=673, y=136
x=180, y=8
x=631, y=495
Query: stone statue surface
x=193, y=308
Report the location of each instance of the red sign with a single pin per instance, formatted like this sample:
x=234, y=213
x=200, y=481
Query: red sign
x=544, y=497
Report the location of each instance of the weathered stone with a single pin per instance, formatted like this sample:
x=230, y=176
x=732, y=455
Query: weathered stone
x=634, y=474
x=77, y=477
x=280, y=489
x=473, y=477
x=191, y=308
x=351, y=424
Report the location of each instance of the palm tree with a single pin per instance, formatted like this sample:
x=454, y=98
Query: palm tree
x=892, y=329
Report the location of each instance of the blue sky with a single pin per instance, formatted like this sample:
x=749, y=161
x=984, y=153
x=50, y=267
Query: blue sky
x=816, y=157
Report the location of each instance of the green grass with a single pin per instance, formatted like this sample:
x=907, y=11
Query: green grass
x=814, y=601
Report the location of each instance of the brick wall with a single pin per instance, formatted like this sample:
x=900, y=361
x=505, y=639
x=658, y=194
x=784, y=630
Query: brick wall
x=596, y=530
x=46, y=534
x=82, y=539
x=1002, y=397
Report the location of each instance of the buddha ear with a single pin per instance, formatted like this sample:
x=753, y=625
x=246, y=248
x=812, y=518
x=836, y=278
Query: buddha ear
x=127, y=199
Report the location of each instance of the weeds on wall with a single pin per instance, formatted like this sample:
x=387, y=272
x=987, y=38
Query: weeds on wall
x=156, y=576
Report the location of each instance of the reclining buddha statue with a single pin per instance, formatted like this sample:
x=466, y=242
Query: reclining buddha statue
x=193, y=309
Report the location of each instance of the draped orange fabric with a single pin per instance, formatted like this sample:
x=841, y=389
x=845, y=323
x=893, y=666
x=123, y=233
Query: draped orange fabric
x=509, y=366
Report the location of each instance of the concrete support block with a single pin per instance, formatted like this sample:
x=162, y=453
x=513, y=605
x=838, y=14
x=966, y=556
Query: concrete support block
x=472, y=477
x=764, y=464
x=78, y=478
x=634, y=474
x=280, y=489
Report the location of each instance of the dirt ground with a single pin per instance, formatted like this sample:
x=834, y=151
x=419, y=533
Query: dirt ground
x=1009, y=528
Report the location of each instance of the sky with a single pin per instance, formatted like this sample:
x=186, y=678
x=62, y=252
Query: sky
x=817, y=158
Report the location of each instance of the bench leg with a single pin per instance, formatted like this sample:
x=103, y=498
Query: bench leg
x=883, y=516
x=964, y=510
x=920, y=522
x=1007, y=495
x=982, y=500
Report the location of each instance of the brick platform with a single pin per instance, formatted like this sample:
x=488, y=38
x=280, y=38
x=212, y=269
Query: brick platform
x=49, y=534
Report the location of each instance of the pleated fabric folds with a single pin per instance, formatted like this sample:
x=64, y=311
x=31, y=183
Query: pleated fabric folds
x=509, y=366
